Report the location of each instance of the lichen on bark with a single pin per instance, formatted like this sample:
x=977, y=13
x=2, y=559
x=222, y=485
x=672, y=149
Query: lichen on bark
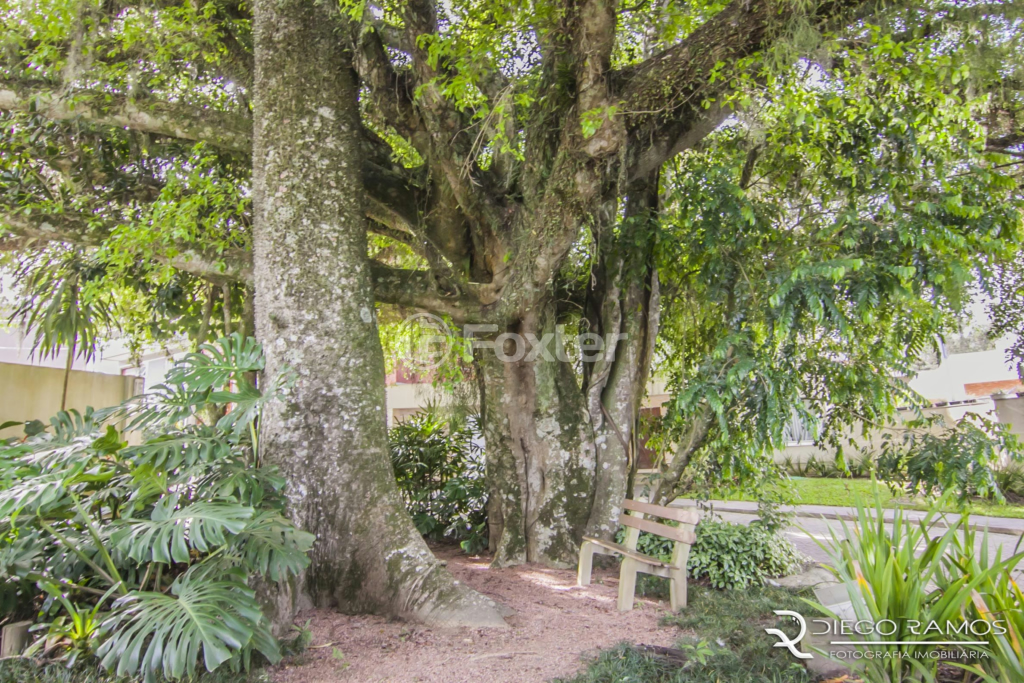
x=540, y=453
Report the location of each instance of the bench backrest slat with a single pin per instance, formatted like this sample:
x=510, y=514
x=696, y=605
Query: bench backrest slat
x=681, y=534
x=675, y=514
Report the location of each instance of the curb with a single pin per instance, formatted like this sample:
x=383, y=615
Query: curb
x=852, y=517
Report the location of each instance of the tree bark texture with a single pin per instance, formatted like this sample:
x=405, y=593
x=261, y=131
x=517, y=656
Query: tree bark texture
x=540, y=453
x=315, y=315
x=558, y=453
x=624, y=306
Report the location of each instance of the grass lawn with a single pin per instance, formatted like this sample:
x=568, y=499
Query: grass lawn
x=843, y=492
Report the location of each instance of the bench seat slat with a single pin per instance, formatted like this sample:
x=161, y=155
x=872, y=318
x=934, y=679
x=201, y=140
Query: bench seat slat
x=626, y=552
x=675, y=514
x=680, y=534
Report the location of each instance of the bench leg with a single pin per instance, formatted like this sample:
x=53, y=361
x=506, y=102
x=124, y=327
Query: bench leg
x=677, y=589
x=627, y=584
x=586, y=564
x=677, y=576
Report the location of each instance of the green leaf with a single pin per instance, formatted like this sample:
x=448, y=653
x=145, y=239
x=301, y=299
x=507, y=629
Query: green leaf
x=168, y=536
x=214, y=365
x=110, y=442
x=170, y=451
x=217, y=618
x=273, y=547
x=34, y=427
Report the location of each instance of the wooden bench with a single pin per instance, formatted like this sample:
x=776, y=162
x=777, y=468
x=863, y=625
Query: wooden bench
x=634, y=518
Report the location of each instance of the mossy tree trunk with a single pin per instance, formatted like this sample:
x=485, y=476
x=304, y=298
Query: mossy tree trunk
x=558, y=451
x=623, y=307
x=540, y=450
x=315, y=314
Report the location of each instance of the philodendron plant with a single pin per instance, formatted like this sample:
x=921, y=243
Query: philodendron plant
x=140, y=557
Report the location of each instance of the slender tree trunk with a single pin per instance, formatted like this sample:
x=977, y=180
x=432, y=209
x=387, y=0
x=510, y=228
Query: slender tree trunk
x=315, y=314
x=204, y=326
x=666, y=488
x=540, y=451
x=225, y=291
x=67, y=373
x=247, y=327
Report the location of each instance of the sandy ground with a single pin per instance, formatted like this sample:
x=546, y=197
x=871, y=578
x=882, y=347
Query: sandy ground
x=554, y=625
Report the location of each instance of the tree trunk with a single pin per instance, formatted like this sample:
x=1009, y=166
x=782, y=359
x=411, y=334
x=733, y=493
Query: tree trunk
x=67, y=372
x=540, y=450
x=624, y=307
x=666, y=488
x=315, y=314
x=558, y=454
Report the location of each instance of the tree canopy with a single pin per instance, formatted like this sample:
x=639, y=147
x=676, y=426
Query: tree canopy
x=776, y=203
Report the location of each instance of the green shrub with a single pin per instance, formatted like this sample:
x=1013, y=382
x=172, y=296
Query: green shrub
x=736, y=556
x=25, y=670
x=1010, y=480
x=730, y=556
x=439, y=467
x=140, y=556
x=856, y=467
x=961, y=458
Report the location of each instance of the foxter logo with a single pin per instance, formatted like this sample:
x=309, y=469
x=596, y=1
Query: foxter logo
x=784, y=640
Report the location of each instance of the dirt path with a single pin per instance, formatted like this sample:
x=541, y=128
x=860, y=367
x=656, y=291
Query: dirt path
x=555, y=623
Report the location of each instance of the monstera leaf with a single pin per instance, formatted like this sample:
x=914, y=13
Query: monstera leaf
x=169, y=534
x=213, y=617
x=33, y=496
x=275, y=548
x=214, y=365
x=163, y=406
x=170, y=451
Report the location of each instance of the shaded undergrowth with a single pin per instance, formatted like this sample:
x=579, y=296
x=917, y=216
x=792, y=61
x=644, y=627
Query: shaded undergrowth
x=721, y=639
x=24, y=670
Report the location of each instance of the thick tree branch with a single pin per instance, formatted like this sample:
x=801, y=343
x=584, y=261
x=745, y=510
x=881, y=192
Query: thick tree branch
x=419, y=245
x=595, y=39
x=390, y=91
x=226, y=130
x=664, y=97
x=412, y=288
x=450, y=149
x=230, y=266
x=418, y=289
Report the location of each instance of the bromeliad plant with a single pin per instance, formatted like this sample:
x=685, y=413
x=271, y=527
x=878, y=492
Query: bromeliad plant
x=141, y=555
x=996, y=598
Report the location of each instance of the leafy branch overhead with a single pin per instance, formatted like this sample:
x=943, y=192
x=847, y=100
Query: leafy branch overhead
x=490, y=135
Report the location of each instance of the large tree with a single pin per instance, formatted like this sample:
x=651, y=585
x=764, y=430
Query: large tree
x=513, y=153
x=315, y=314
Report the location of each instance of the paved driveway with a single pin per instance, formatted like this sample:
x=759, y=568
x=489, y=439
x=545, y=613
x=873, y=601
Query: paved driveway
x=808, y=530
